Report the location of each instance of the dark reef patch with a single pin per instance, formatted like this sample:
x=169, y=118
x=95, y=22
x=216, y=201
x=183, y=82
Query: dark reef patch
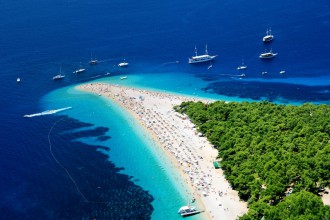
x=85, y=186
x=270, y=91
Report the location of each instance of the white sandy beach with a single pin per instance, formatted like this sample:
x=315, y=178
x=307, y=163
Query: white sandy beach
x=175, y=134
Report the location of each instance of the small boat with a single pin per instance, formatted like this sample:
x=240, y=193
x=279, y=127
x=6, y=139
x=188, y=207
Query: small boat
x=242, y=75
x=59, y=76
x=188, y=210
x=269, y=37
x=93, y=61
x=201, y=58
x=263, y=73
x=267, y=55
x=282, y=72
x=242, y=67
x=18, y=80
x=123, y=64
x=123, y=77
x=79, y=70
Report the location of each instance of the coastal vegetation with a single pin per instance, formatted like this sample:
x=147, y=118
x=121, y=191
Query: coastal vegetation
x=276, y=156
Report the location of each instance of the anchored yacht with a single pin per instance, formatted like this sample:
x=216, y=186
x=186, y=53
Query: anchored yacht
x=201, y=58
x=269, y=37
x=267, y=55
x=123, y=64
x=188, y=210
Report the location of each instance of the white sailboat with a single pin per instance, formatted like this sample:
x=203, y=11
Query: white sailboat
x=201, y=58
x=242, y=67
x=93, y=61
x=267, y=55
x=59, y=76
x=80, y=70
x=269, y=37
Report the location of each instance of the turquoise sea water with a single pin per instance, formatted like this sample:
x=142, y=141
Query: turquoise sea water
x=131, y=148
x=108, y=156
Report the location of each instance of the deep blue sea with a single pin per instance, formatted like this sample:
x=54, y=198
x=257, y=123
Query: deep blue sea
x=93, y=161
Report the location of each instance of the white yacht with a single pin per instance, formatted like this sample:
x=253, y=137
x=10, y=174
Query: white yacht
x=123, y=64
x=93, y=61
x=59, y=76
x=79, y=70
x=188, y=210
x=267, y=55
x=201, y=58
x=242, y=67
x=269, y=37
x=282, y=71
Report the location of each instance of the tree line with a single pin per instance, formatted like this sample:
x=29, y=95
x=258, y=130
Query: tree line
x=276, y=156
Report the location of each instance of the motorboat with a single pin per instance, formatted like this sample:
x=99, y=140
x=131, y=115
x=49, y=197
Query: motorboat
x=269, y=37
x=282, y=72
x=242, y=67
x=267, y=55
x=188, y=210
x=123, y=64
x=79, y=70
x=123, y=77
x=18, y=80
x=201, y=58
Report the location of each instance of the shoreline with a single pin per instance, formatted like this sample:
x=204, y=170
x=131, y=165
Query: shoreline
x=191, y=154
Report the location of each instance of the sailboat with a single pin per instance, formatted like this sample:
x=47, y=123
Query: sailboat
x=80, y=70
x=59, y=76
x=267, y=55
x=201, y=58
x=269, y=37
x=93, y=61
x=243, y=66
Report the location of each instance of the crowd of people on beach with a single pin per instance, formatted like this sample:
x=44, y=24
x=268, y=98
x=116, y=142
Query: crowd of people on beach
x=174, y=132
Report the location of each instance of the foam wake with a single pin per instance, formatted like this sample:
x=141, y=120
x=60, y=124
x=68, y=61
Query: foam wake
x=47, y=112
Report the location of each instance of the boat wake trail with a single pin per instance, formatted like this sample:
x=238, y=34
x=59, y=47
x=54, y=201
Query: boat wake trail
x=102, y=61
x=47, y=112
x=169, y=63
x=232, y=75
